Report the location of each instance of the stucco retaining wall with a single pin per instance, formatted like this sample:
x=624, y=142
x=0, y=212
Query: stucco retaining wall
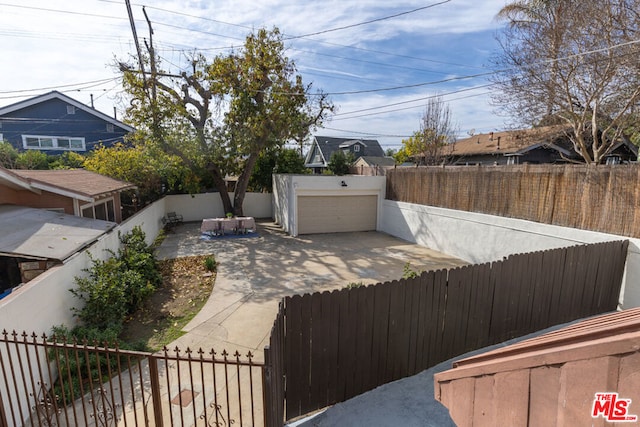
x=209, y=205
x=480, y=238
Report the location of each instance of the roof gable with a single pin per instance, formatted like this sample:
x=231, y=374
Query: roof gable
x=327, y=145
x=53, y=95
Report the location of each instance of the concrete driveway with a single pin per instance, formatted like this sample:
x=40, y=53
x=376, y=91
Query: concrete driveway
x=254, y=273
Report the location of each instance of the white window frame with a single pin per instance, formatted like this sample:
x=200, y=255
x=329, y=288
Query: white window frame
x=99, y=203
x=356, y=148
x=54, y=143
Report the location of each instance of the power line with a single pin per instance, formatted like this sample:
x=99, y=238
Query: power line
x=45, y=9
x=411, y=86
x=101, y=81
x=414, y=100
x=368, y=22
x=246, y=27
x=367, y=133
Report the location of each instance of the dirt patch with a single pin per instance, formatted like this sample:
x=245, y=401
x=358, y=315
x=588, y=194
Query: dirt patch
x=186, y=286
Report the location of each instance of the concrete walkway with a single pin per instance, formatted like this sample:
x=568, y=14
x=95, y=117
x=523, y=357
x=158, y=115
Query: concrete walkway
x=255, y=273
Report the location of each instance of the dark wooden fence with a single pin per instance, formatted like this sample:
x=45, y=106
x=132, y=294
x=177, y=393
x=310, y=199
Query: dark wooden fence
x=602, y=198
x=328, y=347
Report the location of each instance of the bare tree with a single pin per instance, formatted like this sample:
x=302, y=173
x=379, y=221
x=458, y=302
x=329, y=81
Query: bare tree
x=576, y=62
x=437, y=129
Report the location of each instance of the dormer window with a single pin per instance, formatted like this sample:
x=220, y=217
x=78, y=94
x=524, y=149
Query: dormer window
x=356, y=148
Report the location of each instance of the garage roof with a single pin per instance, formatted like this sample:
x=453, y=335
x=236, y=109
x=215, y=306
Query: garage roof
x=40, y=234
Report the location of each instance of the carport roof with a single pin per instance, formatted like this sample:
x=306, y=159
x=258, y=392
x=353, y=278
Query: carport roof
x=40, y=234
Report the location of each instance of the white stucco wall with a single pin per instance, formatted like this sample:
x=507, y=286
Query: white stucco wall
x=287, y=188
x=209, y=205
x=480, y=238
x=281, y=201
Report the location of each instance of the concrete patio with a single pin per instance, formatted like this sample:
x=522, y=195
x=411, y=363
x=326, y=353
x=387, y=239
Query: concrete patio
x=254, y=273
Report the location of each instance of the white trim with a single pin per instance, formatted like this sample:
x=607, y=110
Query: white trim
x=54, y=142
x=55, y=94
x=14, y=181
x=60, y=191
x=309, y=163
x=98, y=203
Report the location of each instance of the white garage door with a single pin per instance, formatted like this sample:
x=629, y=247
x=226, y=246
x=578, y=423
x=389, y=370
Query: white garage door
x=333, y=214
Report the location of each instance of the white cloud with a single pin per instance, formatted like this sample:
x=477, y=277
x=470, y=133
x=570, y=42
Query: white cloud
x=52, y=49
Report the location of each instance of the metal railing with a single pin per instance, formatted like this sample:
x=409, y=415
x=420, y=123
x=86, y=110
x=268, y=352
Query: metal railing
x=51, y=382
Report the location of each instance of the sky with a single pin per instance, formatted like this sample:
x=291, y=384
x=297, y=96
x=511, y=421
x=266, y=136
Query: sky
x=379, y=61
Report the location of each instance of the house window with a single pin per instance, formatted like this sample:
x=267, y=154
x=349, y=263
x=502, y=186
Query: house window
x=1, y=138
x=36, y=142
x=317, y=159
x=110, y=127
x=356, y=148
x=104, y=210
x=613, y=160
x=513, y=160
x=71, y=109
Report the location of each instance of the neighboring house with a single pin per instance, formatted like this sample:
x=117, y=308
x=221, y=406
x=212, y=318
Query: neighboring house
x=75, y=192
x=372, y=161
x=323, y=147
x=575, y=376
x=55, y=123
x=547, y=144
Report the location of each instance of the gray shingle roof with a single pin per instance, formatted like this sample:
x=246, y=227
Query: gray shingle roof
x=327, y=145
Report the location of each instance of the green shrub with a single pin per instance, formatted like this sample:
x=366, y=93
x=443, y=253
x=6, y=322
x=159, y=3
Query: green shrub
x=409, y=273
x=102, y=293
x=210, y=263
x=352, y=285
x=117, y=286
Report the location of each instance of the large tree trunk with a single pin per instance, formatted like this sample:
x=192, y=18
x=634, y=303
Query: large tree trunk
x=242, y=184
x=221, y=185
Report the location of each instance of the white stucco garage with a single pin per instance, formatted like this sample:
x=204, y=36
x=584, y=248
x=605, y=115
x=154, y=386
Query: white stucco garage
x=309, y=204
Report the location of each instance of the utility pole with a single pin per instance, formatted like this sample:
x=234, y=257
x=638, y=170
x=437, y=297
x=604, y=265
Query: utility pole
x=155, y=121
x=135, y=40
x=152, y=58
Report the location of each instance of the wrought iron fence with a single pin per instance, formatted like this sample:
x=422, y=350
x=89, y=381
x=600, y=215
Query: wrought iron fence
x=47, y=382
